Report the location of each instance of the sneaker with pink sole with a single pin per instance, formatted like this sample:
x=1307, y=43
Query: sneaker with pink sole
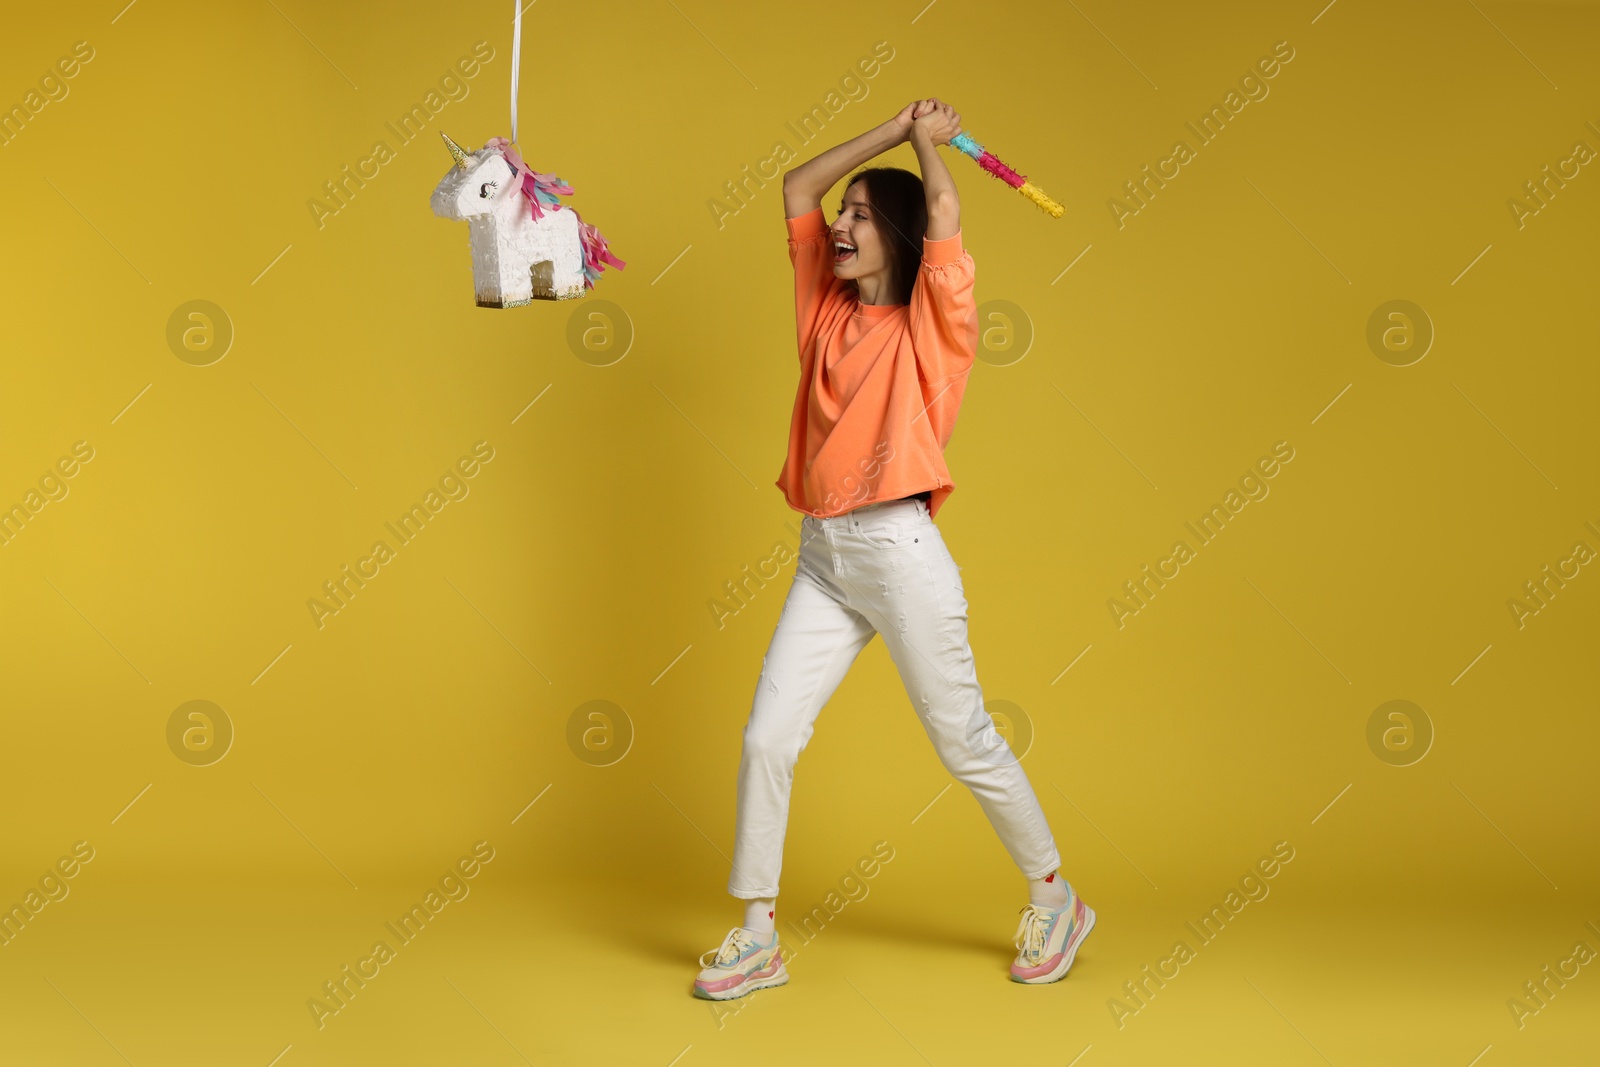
x=1047, y=939
x=741, y=965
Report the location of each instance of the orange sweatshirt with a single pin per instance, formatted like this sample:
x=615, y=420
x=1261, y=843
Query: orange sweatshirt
x=880, y=384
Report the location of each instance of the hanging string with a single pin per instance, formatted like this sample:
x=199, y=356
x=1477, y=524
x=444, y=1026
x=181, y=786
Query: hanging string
x=516, y=65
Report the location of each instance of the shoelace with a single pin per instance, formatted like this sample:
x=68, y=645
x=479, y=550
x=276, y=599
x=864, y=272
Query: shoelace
x=1029, y=937
x=733, y=947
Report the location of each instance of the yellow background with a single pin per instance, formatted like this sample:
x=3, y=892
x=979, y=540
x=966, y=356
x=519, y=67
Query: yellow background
x=371, y=753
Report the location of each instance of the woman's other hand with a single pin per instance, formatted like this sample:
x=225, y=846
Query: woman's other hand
x=907, y=115
x=910, y=113
x=938, y=120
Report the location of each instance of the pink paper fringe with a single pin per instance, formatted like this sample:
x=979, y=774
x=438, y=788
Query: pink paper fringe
x=991, y=163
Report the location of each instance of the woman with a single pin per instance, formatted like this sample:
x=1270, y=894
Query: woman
x=887, y=333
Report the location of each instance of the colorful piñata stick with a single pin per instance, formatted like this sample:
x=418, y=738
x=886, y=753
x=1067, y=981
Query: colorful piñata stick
x=991, y=163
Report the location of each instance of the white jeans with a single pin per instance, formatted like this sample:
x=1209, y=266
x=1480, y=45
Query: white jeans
x=882, y=568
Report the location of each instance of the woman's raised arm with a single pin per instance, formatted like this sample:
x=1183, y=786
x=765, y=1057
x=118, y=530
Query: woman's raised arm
x=934, y=126
x=804, y=185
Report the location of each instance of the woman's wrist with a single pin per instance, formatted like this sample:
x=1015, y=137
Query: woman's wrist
x=892, y=133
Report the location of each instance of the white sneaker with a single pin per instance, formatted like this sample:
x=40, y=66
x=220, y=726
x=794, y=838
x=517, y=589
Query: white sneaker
x=740, y=966
x=1047, y=939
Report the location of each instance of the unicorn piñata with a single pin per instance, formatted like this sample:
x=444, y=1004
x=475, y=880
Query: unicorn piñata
x=526, y=244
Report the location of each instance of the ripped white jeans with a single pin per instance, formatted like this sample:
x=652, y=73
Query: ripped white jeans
x=879, y=569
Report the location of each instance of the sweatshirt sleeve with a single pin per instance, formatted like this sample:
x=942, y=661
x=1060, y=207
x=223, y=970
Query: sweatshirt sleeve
x=816, y=288
x=943, y=320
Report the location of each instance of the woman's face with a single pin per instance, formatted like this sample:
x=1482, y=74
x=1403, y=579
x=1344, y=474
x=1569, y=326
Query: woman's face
x=859, y=251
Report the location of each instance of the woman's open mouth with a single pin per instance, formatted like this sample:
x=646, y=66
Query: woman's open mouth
x=842, y=251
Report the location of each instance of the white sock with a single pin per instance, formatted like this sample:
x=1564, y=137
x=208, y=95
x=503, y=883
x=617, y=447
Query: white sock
x=1051, y=891
x=758, y=918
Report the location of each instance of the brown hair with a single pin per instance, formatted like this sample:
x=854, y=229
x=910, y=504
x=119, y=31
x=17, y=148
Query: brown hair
x=900, y=215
